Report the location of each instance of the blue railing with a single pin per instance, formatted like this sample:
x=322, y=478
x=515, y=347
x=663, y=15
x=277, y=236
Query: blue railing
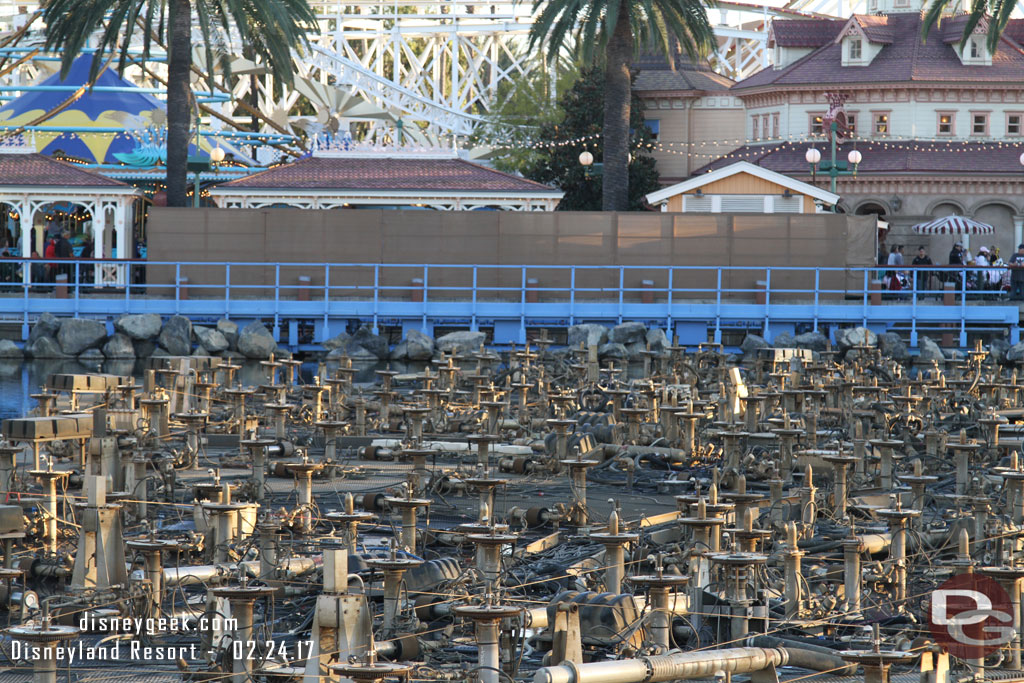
x=509, y=297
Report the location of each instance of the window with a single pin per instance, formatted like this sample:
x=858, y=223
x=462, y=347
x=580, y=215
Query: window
x=775, y=126
x=979, y=124
x=816, y=124
x=1014, y=124
x=764, y=127
x=856, y=46
x=653, y=128
x=880, y=123
x=945, y=123
x=975, y=48
x=757, y=127
x=851, y=124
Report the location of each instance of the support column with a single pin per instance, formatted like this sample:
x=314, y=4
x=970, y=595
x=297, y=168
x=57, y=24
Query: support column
x=1018, y=230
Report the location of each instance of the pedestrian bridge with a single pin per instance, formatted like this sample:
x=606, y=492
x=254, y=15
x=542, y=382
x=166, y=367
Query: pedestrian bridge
x=306, y=303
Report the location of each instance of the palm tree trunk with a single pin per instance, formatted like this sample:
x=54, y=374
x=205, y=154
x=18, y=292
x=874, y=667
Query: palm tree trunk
x=179, y=99
x=618, y=59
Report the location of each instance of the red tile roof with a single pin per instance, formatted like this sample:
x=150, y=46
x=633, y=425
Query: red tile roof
x=886, y=158
x=907, y=59
x=805, y=32
x=656, y=74
x=25, y=170
x=385, y=174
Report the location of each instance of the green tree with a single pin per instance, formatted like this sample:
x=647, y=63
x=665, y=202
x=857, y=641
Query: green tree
x=522, y=106
x=618, y=27
x=997, y=11
x=559, y=164
x=270, y=28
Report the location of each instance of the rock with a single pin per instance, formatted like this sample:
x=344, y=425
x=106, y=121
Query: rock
x=636, y=350
x=255, y=341
x=930, y=351
x=281, y=353
x=44, y=347
x=144, y=349
x=784, y=340
x=752, y=343
x=160, y=352
x=91, y=356
x=364, y=338
x=997, y=349
x=590, y=334
x=415, y=346
x=10, y=351
x=1015, y=353
x=47, y=325
x=119, y=346
x=139, y=327
x=815, y=341
x=857, y=336
x=230, y=331
x=78, y=334
x=657, y=340
x=892, y=346
x=617, y=351
x=211, y=339
x=201, y=352
x=628, y=333
x=338, y=342
x=461, y=342
x=176, y=336
x=953, y=354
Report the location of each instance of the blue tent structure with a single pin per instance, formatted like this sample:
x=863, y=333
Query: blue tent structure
x=139, y=115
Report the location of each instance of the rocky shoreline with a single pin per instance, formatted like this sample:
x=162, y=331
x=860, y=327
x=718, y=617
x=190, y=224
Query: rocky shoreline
x=149, y=335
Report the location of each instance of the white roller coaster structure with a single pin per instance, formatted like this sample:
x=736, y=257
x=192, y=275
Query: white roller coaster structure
x=439, y=63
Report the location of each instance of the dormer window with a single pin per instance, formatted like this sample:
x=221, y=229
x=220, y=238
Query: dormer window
x=856, y=46
x=975, y=51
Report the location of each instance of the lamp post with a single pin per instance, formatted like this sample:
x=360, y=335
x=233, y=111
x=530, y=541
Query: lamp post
x=586, y=161
x=833, y=168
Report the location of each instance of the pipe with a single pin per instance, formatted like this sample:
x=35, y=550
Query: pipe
x=805, y=656
x=455, y=446
x=661, y=668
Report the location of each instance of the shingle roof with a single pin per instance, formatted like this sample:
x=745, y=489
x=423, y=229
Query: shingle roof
x=885, y=158
x=656, y=73
x=385, y=174
x=906, y=59
x=805, y=32
x=35, y=169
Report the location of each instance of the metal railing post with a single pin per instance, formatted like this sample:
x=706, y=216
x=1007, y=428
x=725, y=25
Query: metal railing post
x=177, y=288
x=718, y=308
x=277, y=302
x=426, y=296
x=864, y=293
x=376, y=295
x=227, y=289
x=78, y=293
x=522, y=306
x=622, y=281
x=572, y=295
x=668, y=299
x=472, y=320
x=817, y=293
x=913, y=310
x=963, y=309
x=327, y=302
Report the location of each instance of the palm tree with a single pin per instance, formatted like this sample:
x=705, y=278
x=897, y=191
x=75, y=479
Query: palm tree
x=997, y=11
x=618, y=26
x=271, y=28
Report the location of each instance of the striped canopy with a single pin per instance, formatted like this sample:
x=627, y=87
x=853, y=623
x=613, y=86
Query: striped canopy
x=953, y=225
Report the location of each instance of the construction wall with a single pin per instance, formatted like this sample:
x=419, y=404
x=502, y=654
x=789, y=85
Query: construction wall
x=289, y=236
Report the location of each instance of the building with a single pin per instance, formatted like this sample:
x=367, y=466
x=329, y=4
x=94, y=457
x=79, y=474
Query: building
x=743, y=187
x=686, y=107
x=379, y=178
x=940, y=128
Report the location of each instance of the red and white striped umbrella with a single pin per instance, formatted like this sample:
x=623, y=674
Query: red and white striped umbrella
x=953, y=225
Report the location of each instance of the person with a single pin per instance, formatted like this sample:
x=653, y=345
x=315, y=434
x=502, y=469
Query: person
x=50, y=252
x=924, y=277
x=981, y=276
x=956, y=258
x=998, y=273
x=1017, y=274
x=38, y=270
x=65, y=250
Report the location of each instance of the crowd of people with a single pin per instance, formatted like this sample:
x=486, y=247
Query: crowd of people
x=988, y=272
x=57, y=246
